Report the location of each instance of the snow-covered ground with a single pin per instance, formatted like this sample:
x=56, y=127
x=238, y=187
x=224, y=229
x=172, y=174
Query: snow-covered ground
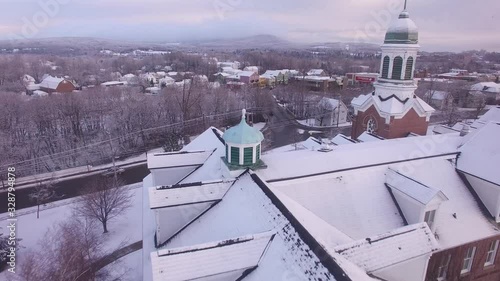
x=128, y=268
x=123, y=231
x=312, y=123
x=259, y=126
x=300, y=131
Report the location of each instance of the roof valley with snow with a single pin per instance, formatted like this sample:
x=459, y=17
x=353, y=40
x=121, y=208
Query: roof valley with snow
x=367, y=208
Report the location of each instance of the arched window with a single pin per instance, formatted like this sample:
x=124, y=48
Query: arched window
x=371, y=126
x=409, y=69
x=397, y=68
x=385, y=67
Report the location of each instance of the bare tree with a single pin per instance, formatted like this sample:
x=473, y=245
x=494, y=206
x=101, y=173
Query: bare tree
x=43, y=193
x=450, y=110
x=478, y=102
x=67, y=252
x=4, y=250
x=106, y=199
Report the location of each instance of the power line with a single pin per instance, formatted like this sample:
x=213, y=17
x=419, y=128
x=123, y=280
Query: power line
x=186, y=123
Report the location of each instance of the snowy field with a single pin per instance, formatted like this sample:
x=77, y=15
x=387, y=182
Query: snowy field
x=259, y=126
x=128, y=268
x=124, y=230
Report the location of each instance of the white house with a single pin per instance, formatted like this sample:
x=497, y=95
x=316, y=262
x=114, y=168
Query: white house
x=490, y=89
x=438, y=99
x=331, y=112
x=316, y=72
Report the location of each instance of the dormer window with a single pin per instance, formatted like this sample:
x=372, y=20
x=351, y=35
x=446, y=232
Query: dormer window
x=429, y=218
x=417, y=202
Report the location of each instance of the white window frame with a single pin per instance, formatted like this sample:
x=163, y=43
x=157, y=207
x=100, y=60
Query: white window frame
x=431, y=218
x=443, y=268
x=491, y=254
x=468, y=260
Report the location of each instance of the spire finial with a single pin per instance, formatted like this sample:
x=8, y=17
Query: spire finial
x=406, y=2
x=243, y=114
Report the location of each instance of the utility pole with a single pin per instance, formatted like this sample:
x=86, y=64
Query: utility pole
x=113, y=157
x=338, y=109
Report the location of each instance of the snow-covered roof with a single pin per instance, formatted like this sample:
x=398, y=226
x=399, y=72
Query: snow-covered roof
x=224, y=260
x=480, y=155
x=357, y=202
x=493, y=115
x=392, y=105
x=460, y=209
x=245, y=73
x=33, y=87
x=443, y=129
x=246, y=210
x=114, y=83
x=491, y=87
x=341, y=139
x=267, y=76
x=28, y=79
x=390, y=248
x=368, y=137
x=167, y=80
x=177, y=159
x=315, y=78
x=436, y=95
x=239, y=74
x=412, y=188
x=183, y=194
x=315, y=72
x=272, y=73
x=40, y=93
x=51, y=82
x=356, y=156
x=252, y=68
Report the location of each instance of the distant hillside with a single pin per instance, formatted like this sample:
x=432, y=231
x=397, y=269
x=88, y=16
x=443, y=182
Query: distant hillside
x=84, y=44
x=252, y=42
x=89, y=44
x=346, y=46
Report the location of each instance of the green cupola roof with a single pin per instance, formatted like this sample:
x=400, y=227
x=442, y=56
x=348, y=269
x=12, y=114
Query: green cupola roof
x=402, y=31
x=243, y=133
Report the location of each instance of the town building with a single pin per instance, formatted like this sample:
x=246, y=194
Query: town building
x=252, y=68
x=360, y=78
x=317, y=72
x=491, y=90
x=393, y=110
x=458, y=74
x=245, y=77
x=52, y=84
x=317, y=83
x=437, y=99
x=415, y=208
x=330, y=112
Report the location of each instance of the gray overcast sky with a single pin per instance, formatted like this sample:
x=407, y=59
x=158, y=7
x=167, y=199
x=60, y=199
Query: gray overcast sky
x=444, y=24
